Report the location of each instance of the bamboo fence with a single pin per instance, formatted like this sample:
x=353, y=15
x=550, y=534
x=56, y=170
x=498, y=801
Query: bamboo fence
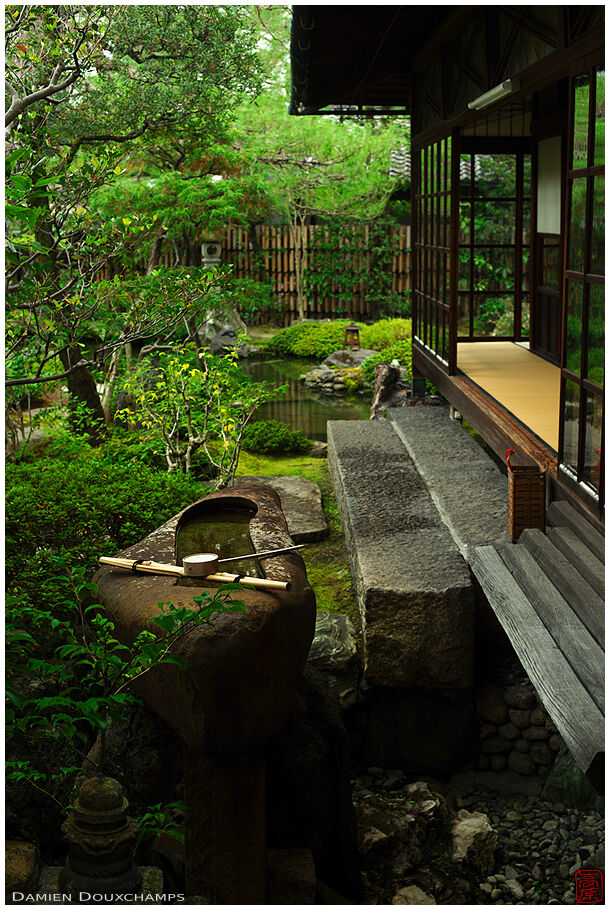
x=270, y=254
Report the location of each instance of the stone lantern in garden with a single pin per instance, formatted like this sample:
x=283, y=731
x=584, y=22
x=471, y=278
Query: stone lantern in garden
x=351, y=339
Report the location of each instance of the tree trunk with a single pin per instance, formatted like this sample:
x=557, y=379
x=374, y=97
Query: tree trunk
x=298, y=267
x=155, y=252
x=82, y=389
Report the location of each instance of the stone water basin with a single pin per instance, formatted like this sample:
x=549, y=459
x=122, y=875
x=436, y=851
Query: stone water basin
x=241, y=672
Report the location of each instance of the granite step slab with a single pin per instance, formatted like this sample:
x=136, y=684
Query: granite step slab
x=412, y=585
x=466, y=485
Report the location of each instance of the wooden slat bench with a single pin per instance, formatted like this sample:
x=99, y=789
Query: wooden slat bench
x=555, y=621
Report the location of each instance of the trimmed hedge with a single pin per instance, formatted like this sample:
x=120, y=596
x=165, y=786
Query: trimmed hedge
x=272, y=437
x=319, y=339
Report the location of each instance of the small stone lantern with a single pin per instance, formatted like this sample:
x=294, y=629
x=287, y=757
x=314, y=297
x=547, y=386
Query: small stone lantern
x=352, y=337
x=102, y=841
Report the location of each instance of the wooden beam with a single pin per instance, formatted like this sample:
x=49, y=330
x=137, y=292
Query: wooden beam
x=570, y=634
x=585, y=602
x=561, y=515
x=499, y=428
x=578, y=719
x=580, y=556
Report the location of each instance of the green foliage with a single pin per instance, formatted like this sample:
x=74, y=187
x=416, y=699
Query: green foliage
x=79, y=504
x=160, y=820
x=89, y=88
x=320, y=339
x=186, y=403
x=400, y=351
x=272, y=437
x=354, y=258
x=90, y=668
x=381, y=334
x=284, y=341
x=253, y=299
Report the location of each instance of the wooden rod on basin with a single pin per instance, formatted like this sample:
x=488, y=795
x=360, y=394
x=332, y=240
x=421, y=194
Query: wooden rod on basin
x=160, y=568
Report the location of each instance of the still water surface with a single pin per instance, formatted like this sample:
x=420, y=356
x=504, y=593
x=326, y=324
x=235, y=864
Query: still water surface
x=225, y=532
x=302, y=408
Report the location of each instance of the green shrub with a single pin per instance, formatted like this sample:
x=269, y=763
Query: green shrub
x=283, y=342
x=319, y=339
x=81, y=507
x=385, y=332
x=272, y=437
x=400, y=351
x=323, y=340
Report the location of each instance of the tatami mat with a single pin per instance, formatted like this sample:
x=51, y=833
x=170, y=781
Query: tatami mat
x=526, y=385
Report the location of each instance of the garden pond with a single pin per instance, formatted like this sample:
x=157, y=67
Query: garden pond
x=302, y=408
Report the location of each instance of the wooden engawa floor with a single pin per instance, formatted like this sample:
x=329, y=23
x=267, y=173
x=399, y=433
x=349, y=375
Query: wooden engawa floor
x=523, y=383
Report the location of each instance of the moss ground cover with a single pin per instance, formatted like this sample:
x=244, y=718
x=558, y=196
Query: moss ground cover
x=326, y=560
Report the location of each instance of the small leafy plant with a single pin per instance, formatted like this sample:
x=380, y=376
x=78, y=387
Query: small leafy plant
x=87, y=677
x=189, y=404
x=272, y=437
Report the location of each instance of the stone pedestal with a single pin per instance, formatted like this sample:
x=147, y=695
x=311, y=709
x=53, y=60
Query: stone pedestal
x=225, y=828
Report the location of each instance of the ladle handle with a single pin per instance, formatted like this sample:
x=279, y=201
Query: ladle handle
x=297, y=546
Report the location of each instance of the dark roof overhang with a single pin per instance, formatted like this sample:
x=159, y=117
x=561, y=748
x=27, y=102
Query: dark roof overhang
x=357, y=59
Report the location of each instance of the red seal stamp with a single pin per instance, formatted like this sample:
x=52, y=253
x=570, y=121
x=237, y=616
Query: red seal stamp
x=589, y=886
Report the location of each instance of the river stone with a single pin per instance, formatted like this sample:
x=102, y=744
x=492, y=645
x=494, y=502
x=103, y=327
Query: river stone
x=496, y=744
x=520, y=697
x=22, y=867
x=519, y=717
x=216, y=319
x=541, y=754
x=395, y=833
x=474, y=841
x=521, y=763
x=318, y=449
x=348, y=358
x=412, y=894
x=334, y=646
x=535, y=733
x=225, y=340
x=490, y=704
x=301, y=501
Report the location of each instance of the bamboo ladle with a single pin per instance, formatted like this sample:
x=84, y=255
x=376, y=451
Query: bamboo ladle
x=204, y=565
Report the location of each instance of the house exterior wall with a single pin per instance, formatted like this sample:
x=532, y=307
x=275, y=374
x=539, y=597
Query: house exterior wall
x=553, y=55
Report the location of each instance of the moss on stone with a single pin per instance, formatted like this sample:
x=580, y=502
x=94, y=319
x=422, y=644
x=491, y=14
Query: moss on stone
x=326, y=560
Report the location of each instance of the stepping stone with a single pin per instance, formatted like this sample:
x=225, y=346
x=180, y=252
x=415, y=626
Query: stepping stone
x=301, y=504
x=412, y=585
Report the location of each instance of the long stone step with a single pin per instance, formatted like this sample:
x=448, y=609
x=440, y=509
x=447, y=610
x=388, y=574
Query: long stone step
x=467, y=487
x=413, y=587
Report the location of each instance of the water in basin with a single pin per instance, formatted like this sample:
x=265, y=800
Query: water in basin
x=222, y=531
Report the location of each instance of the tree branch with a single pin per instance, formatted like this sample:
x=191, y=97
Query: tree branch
x=20, y=105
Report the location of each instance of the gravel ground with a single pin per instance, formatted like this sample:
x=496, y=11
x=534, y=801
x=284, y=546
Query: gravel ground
x=540, y=844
